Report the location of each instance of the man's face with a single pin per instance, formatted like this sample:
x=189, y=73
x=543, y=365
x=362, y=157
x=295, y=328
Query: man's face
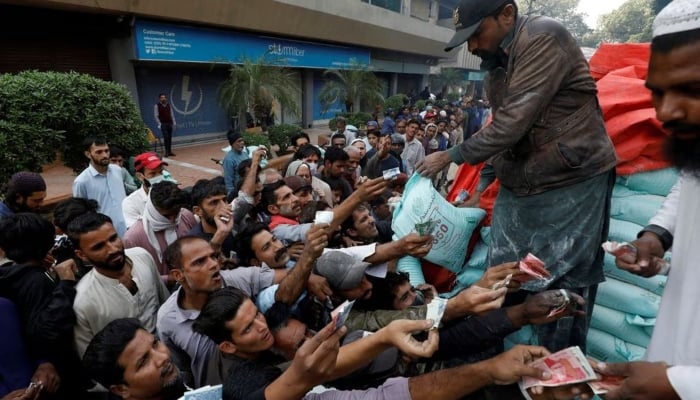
x=338, y=142
x=269, y=249
x=170, y=214
x=404, y=296
x=210, y=207
x=353, y=162
x=163, y=99
x=397, y=147
x=674, y=80
x=291, y=337
x=149, y=372
x=430, y=132
x=301, y=141
x=304, y=195
x=373, y=140
x=249, y=331
x=362, y=147
x=287, y=203
x=102, y=248
x=420, y=135
x=238, y=145
x=411, y=130
x=341, y=126
x=363, y=291
x=150, y=173
x=312, y=159
x=31, y=203
x=117, y=160
x=200, y=267
x=336, y=169
x=364, y=225
x=98, y=155
x=441, y=126
x=401, y=127
x=485, y=41
x=304, y=172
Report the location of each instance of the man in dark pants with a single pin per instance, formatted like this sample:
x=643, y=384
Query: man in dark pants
x=165, y=118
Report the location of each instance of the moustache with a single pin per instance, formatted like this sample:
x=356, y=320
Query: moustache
x=281, y=253
x=680, y=128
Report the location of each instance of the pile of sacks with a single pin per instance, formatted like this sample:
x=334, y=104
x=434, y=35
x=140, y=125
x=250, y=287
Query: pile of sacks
x=626, y=305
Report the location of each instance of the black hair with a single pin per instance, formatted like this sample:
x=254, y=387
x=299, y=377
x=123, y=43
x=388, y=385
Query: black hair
x=105, y=348
x=248, y=379
x=339, y=135
x=375, y=132
x=269, y=197
x=26, y=237
x=172, y=256
x=278, y=316
x=94, y=140
x=161, y=94
x=167, y=196
x=383, y=290
x=242, y=168
x=244, y=241
x=500, y=9
x=232, y=136
x=672, y=41
x=115, y=151
x=206, y=188
x=413, y=121
x=85, y=223
x=293, y=139
x=307, y=150
x=221, y=307
x=334, y=154
x=70, y=209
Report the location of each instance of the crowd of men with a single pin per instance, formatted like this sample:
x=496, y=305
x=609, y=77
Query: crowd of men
x=234, y=281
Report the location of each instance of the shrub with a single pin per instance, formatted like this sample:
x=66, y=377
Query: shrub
x=280, y=134
x=52, y=111
x=255, y=139
x=395, y=102
x=420, y=104
x=357, y=119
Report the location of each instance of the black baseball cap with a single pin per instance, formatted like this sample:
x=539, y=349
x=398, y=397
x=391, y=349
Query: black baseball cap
x=468, y=16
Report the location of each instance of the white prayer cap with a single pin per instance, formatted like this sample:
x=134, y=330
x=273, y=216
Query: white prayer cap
x=678, y=16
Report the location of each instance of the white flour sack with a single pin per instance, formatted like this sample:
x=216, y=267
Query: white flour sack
x=453, y=229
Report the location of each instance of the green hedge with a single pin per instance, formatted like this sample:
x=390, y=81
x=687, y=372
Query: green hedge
x=45, y=112
x=280, y=134
x=395, y=102
x=357, y=119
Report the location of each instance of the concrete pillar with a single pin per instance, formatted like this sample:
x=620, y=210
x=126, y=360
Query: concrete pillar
x=307, y=95
x=394, y=84
x=120, y=52
x=406, y=7
x=434, y=11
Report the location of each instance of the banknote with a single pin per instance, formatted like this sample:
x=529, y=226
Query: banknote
x=534, y=269
x=566, y=367
x=436, y=308
x=341, y=313
x=426, y=228
x=605, y=383
x=627, y=252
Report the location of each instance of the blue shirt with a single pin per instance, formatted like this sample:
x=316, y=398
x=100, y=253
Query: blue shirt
x=107, y=189
x=388, y=125
x=5, y=211
x=231, y=161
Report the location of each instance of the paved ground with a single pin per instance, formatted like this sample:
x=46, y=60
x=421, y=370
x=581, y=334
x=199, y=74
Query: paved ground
x=191, y=163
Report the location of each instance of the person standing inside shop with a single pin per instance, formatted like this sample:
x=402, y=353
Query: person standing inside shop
x=165, y=118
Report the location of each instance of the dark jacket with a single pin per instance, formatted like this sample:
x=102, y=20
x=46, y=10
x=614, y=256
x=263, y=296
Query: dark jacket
x=547, y=130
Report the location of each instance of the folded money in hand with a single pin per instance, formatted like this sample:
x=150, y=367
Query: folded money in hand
x=533, y=268
x=567, y=367
x=436, y=308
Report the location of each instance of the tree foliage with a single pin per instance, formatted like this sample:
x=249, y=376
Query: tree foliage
x=45, y=112
x=350, y=86
x=562, y=10
x=252, y=87
x=447, y=80
x=631, y=22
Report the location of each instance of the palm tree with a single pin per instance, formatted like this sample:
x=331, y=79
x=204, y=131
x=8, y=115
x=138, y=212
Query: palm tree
x=447, y=80
x=252, y=87
x=352, y=85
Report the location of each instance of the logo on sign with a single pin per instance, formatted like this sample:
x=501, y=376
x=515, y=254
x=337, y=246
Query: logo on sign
x=183, y=101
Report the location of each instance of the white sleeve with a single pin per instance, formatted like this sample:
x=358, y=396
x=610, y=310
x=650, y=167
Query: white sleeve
x=684, y=379
x=666, y=216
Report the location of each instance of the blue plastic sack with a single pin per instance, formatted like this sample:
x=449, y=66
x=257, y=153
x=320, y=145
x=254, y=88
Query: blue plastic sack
x=623, y=231
x=421, y=203
x=638, y=209
x=605, y=347
x=657, y=182
x=615, y=323
x=655, y=284
x=628, y=298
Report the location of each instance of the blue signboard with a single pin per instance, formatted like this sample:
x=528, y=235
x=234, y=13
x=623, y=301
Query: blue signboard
x=193, y=96
x=335, y=108
x=157, y=41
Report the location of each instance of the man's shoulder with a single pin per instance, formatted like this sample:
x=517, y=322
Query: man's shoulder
x=169, y=314
x=140, y=257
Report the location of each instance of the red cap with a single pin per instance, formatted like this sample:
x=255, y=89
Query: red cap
x=147, y=160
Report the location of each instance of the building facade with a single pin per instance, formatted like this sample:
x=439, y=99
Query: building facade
x=182, y=47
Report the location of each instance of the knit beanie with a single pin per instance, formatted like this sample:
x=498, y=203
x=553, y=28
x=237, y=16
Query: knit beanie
x=26, y=183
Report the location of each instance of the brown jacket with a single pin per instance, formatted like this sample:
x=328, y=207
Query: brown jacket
x=547, y=129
